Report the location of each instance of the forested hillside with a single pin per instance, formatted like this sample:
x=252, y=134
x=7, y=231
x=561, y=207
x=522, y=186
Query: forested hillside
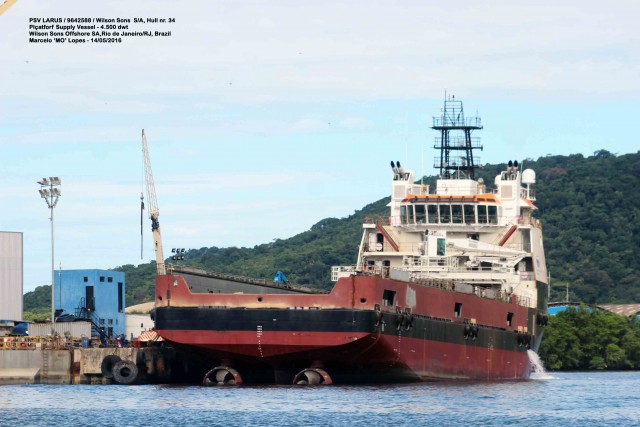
x=583, y=338
x=306, y=258
x=591, y=223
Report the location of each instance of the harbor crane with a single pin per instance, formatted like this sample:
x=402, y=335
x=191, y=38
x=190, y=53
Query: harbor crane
x=154, y=212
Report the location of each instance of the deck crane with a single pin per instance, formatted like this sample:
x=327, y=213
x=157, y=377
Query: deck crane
x=153, y=210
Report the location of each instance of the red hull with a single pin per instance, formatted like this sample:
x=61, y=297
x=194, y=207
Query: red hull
x=419, y=337
x=425, y=360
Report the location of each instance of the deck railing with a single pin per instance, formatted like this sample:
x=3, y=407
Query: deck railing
x=54, y=342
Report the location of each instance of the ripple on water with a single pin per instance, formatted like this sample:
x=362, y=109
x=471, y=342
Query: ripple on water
x=566, y=399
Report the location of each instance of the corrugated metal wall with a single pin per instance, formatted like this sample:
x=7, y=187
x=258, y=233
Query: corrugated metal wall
x=11, y=275
x=76, y=329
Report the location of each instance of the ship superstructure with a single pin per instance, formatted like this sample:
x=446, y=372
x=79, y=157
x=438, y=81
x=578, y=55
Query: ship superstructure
x=478, y=241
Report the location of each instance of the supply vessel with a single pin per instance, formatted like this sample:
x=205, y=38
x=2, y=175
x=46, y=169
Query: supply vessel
x=452, y=284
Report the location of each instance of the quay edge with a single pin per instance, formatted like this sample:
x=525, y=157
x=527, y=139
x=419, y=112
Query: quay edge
x=84, y=365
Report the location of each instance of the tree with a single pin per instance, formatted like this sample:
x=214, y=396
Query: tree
x=586, y=338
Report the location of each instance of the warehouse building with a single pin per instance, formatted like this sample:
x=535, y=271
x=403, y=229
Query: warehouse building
x=11, y=276
x=95, y=295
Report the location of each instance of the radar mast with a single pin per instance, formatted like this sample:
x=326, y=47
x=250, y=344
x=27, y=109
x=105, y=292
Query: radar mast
x=455, y=142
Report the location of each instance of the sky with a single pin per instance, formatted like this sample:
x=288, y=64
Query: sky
x=264, y=117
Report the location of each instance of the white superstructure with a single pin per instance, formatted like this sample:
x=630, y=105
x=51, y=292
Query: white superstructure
x=459, y=235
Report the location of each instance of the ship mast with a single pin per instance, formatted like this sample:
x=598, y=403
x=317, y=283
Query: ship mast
x=154, y=212
x=455, y=136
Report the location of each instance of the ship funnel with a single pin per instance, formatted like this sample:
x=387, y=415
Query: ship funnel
x=396, y=172
x=400, y=170
x=515, y=164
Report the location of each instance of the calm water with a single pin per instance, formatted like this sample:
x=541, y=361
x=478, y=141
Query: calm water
x=558, y=399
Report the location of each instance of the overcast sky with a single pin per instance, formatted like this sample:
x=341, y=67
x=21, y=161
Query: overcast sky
x=264, y=117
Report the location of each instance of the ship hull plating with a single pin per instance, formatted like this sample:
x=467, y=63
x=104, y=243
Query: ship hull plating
x=352, y=344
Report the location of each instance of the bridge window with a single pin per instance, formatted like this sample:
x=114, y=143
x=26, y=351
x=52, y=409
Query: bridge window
x=420, y=214
x=493, y=214
x=432, y=214
x=403, y=214
x=411, y=216
x=456, y=214
x=482, y=214
x=469, y=214
x=445, y=214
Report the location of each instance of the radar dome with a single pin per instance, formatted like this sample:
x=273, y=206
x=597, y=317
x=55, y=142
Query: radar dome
x=528, y=176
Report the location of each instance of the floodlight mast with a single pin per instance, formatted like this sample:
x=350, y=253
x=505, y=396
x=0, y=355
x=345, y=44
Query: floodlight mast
x=51, y=195
x=153, y=210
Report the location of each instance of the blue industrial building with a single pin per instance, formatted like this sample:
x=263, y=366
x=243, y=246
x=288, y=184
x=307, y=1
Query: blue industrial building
x=95, y=295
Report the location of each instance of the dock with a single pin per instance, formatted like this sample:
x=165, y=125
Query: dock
x=33, y=361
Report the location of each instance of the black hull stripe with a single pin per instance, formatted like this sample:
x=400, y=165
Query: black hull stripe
x=339, y=321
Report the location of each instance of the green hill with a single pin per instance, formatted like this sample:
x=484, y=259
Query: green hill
x=591, y=224
x=590, y=215
x=306, y=258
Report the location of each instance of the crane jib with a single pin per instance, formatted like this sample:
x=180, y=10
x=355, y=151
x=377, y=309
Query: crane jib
x=153, y=207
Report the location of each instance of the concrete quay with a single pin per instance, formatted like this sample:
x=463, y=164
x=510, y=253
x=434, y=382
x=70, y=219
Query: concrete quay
x=86, y=365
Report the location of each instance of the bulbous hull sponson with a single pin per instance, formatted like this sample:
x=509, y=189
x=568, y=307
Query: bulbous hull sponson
x=366, y=329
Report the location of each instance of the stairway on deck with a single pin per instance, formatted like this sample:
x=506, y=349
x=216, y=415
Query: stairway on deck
x=507, y=235
x=390, y=235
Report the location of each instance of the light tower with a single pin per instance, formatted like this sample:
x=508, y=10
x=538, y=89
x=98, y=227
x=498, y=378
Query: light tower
x=50, y=192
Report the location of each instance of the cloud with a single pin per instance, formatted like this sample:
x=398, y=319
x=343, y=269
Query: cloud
x=255, y=106
x=356, y=123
